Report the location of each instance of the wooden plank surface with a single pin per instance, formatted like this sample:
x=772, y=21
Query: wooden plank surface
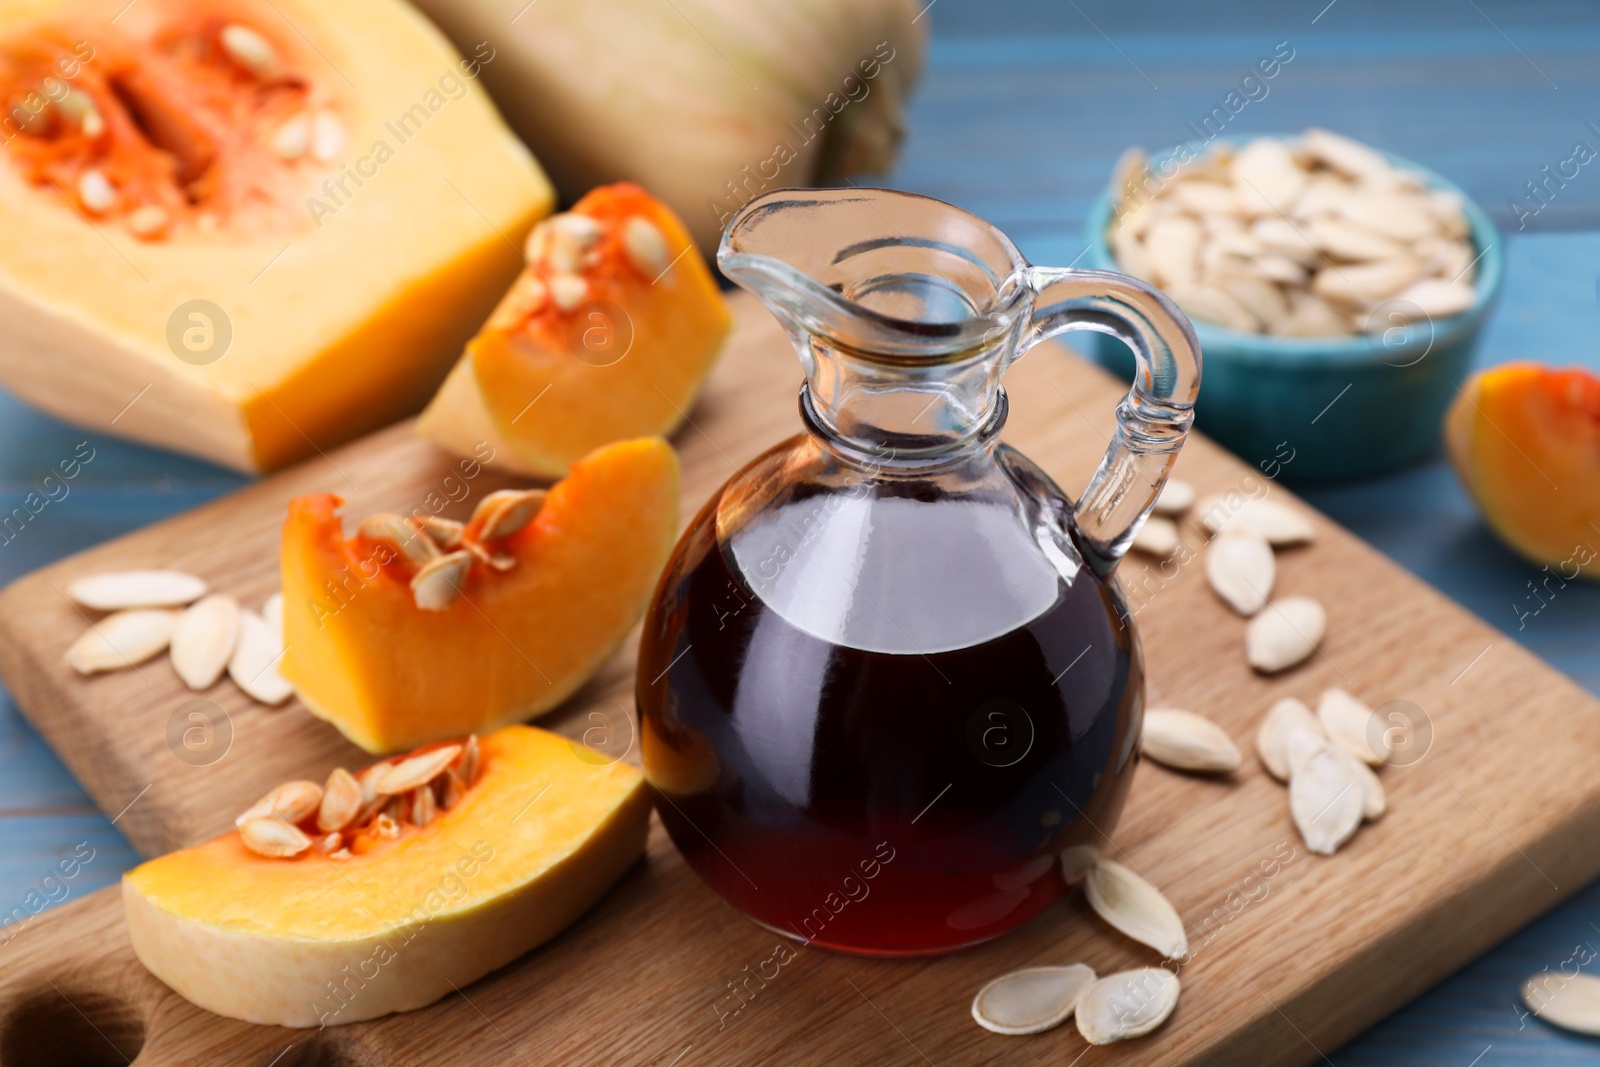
x=1467, y=853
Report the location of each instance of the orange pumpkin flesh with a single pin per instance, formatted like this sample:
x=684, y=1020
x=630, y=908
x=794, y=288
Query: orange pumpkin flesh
x=164, y=204
x=312, y=941
x=1525, y=440
x=553, y=383
x=515, y=643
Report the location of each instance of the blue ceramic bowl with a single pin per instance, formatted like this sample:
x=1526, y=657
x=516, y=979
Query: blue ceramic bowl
x=1313, y=409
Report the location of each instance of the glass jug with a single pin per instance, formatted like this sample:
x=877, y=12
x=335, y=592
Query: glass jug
x=887, y=676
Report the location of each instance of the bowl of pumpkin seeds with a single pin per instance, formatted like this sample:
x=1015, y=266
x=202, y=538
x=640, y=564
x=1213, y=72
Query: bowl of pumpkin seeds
x=1338, y=292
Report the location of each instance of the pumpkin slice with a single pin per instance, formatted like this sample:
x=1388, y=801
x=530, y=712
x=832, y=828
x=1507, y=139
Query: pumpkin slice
x=606, y=335
x=246, y=229
x=329, y=936
x=1525, y=440
x=401, y=635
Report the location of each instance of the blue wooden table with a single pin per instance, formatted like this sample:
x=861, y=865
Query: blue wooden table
x=1024, y=107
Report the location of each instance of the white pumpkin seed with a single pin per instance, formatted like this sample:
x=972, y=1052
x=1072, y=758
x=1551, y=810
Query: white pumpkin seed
x=1326, y=798
x=1173, y=245
x=400, y=536
x=1342, y=153
x=1176, y=497
x=1241, y=570
x=1374, y=800
x=292, y=802
x=327, y=136
x=1285, y=633
x=446, y=533
x=1126, y=1004
x=415, y=771
x=274, y=838
x=505, y=512
x=249, y=50
x=1272, y=738
x=341, y=801
x=1397, y=215
x=292, y=139
x=1266, y=177
x=1353, y=726
x=1301, y=745
x=568, y=290
x=1366, y=282
x=96, y=192
x=1187, y=741
x=645, y=246
x=467, y=768
x=124, y=639
x=136, y=589
x=1279, y=269
x=148, y=221
x=436, y=586
x=1437, y=298
x=203, y=640
x=1135, y=907
x=1157, y=537
x=254, y=664
x=1210, y=304
x=1571, y=1002
x=1032, y=1000
x=423, y=806
x=1236, y=513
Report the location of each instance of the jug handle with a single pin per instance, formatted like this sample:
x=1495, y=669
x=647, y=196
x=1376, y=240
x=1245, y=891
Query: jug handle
x=1152, y=420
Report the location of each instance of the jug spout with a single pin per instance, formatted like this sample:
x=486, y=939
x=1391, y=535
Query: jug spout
x=903, y=309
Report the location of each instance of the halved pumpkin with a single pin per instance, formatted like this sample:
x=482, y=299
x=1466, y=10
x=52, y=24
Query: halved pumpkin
x=508, y=632
x=315, y=940
x=246, y=229
x=1525, y=440
x=606, y=335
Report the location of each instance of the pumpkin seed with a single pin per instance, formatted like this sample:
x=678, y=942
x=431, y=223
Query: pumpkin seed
x=415, y=771
x=1173, y=245
x=1176, y=497
x=327, y=136
x=292, y=802
x=423, y=805
x=341, y=801
x=400, y=536
x=1032, y=1000
x=124, y=639
x=1241, y=570
x=203, y=640
x=1350, y=724
x=254, y=664
x=96, y=192
x=1157, y=537
x=273, y=837
x=1344, y=154
x=1326, y=798
x=386, y=825
x=1126, y=1004
x=292, y=139
x=436, y=586
x=136, y=589
x=1437, y=298
x=645, y=247
x=249, y=50
x=1274, y=522
x=1187, y=741
x=568, y=290
x=1573, y=1004
x=1272, y=738
x=1287, y=632
x=329, y=843
x=467, y=768
x=506, y=512
x=149, y=221
x=1135, y=907
x=446, y=533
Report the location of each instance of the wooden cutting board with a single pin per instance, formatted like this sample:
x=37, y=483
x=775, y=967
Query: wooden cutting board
x=1494, y=825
